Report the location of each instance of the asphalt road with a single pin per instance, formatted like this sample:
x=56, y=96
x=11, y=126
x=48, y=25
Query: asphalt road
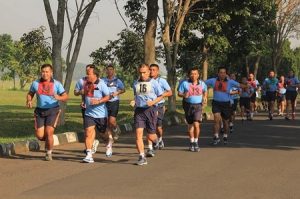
x=262, y=160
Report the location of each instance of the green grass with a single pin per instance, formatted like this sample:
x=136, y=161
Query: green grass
x=17, y=122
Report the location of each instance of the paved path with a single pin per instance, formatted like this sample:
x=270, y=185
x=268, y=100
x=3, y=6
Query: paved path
x=262, y=160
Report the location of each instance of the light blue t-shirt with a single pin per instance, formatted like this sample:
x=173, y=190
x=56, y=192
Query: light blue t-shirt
x=114, y=85
x=270, y=84
x=164, y=86
x=146, y=91
x=45, y=91
x=221, y=89
x=97, y=90
x=195, y=92
x=246, y=92
x=79, y=84
x=291, y=82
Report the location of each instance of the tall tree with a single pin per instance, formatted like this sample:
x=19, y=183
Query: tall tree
x=287, y=23
x=150, y=32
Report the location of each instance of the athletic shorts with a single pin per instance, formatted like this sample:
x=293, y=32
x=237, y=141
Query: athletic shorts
x=235, y=104
x=245, y=102
x=280, y=97
x=99, y=123
x=253, y=98
x=113, y=108
x=146, y=118
x=46, y=117
x=271, y=96
x=193, y=113
x=160, y=115
x=224, y=108
x=291, y=95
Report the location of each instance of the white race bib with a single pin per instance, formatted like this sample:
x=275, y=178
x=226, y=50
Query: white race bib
x=143, y=88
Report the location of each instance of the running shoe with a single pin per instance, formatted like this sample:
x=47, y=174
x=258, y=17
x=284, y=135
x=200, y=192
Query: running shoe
x=192, y=147
x=231, y=129
x=141, y=161
x=48, y=157
x=88, y=159
x=155, y=145
x=109, y=151
x=150, y=153
x=196, y=147
x=287, y=118
x=161, y=145
x=293, y=116
x=95, y=146
x=216, y=141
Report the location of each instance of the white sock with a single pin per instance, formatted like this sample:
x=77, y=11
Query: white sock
x=230, y=124
x=196, y=140
x=225, y=135
x=160, y=139
x=49, y=152
x=217, y=135
x=150, y=146
x=142, y=154
x=192, y=140
x=89, y=152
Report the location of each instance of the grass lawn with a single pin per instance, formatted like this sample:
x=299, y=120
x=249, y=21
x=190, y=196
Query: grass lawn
x=17, y=122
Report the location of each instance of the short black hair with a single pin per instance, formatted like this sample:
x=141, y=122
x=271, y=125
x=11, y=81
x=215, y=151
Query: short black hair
x=110, y=66
x=143, y=65
x=221, y=68
x=154, y=65
x=193, y=69
x=46, y=66
x=90, y=66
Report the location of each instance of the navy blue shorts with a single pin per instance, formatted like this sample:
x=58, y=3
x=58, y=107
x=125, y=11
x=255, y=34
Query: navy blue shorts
x=113, y=108
x=224, y=108
x=160, y=115
x=99, y=123
x=271, y=96
x=291, y=95
x=193, y=113
x=245, y=102
x=46, y=117
x=146, y=118
x=280, y=97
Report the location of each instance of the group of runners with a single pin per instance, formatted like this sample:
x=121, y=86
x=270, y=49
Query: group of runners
x=100, y=105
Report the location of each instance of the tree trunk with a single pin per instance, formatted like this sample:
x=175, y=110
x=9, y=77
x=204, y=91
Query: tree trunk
x=256, y=65
x=205, y=63
x=247, y=66
x=150, y=32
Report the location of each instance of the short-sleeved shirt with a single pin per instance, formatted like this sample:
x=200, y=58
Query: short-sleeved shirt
x=45, y=92
x=146, y=91
x=79, y=84
x=195, y=92
x=254, y=84
x=281, y=88
x=270, y=84
x=96, y=90
x=114, y=85
x=246, y=92
x=221, y=88
x=164, y=86
x=291, y=82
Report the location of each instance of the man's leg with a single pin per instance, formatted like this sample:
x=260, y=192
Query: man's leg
x=89, y=139
x=216, y=128
x=140, y=146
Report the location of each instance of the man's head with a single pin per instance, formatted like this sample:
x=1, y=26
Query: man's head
x=46, y=71
x=291, y=73
x=144, y=72
x=222, y=73
x=194, y=74
x=232, y=76
x=244, y=80
x=110, y=71
x=251, y=77
x=271, y=74
x=88, y=67
x=154, y=71
x=92, y=74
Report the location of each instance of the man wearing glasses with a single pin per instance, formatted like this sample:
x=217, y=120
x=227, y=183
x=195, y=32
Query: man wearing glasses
x=221, y=106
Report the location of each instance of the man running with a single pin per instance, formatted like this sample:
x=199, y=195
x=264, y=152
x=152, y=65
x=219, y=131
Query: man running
x=270, y=86
x=221, y=106
x=116, y=88
x=46, y=114
x=167, y=92
x=79, y=91
x=234, y=92
x=194, y=92
x=147, y=94
x=245, y=99
x=292, y=83
x=96, y=95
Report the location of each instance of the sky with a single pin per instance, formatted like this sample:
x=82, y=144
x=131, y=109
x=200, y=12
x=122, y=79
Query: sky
x=21, y=16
